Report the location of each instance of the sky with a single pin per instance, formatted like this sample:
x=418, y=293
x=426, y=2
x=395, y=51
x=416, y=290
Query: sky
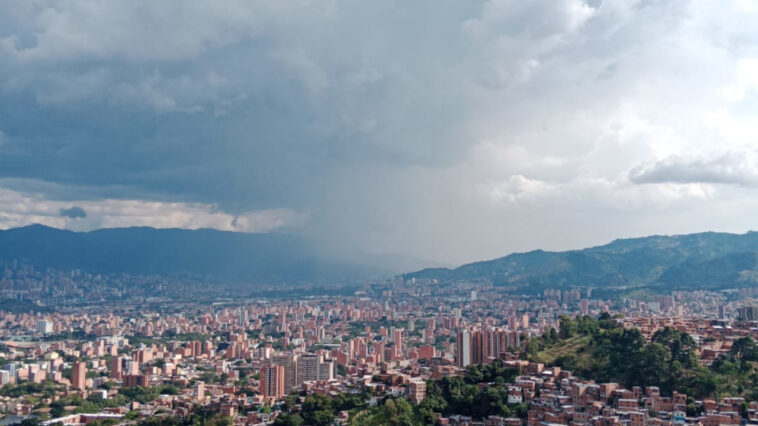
x=440, y=129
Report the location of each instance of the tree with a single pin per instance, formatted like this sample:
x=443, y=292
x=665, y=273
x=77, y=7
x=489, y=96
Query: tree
x=692, y=410
x=745, y=349
x=681, y=346
x=702, y=384
x=131, y=415
x=654, y=362
x=531, y=349
x=744, y=410
x=219, y=420
x=317, y=410
x=289, y=420
x=390, y=410
x=553, y=335
x=567, y=327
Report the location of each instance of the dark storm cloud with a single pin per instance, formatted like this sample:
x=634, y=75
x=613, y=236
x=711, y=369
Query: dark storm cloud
x=248, y=112
x=376, y=124
x=74, y=212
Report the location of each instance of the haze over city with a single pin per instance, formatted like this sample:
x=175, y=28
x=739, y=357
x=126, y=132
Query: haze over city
x=447, y=131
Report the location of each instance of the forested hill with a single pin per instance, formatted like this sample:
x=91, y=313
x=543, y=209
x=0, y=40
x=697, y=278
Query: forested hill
x=601, y=350
x=696, y=261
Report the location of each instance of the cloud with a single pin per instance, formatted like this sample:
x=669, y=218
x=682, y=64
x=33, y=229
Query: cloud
x=74, y=212
x=497, y=125
x=728, y=169
x=19, y=209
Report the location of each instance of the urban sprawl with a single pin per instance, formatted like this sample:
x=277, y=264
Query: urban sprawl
x=403, y=352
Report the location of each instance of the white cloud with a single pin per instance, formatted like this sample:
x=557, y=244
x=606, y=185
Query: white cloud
x=739, y=168
x=19, y=209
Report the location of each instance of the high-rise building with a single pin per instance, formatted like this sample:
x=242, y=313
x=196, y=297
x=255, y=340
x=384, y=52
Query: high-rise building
x=308, y=368
x=289, y=362
x=137, y=380
x=477, y=347
x=463, y=349
x=512, y=322
x=748, y=312
x=429, y=331
x=350, y=350
x=142, y=356
x=131, y=367
x=584, y=306
x=199, y=389
x=378, y=352
x=12, y=370
x=666, y=302
x=326, y=370
x=398, y=343
x=360, y=347
x=44, y=326
x=116, y=368
x=272, y=381
x=514, y=339
x=79, y=377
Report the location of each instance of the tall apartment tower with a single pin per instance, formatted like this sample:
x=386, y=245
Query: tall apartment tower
x=79, y=377
x=289, y=362
x=463, y=349
x=308, y=368
x=477, y=347
x=398, y=343
x=44, y=327
x=116, y=368
x=326, y=370
x=379, y=352
x=272, y=381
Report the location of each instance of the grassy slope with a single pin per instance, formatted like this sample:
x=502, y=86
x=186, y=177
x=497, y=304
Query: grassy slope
x=576, y=345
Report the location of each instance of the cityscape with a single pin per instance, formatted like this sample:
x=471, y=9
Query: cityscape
x=378, y=212
x=392, y=352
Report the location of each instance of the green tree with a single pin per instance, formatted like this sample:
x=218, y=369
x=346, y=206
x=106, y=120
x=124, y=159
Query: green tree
x=568, y=327
x=289, y=420
x=317, y=410
x=745, y=349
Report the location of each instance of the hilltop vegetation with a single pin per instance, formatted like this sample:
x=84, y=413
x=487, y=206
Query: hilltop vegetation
x=481, y=392
x=597, y=349
x=696, y=261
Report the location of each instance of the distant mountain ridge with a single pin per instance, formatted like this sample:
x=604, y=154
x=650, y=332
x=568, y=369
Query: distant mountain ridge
x=708, y=260
x=225, y=256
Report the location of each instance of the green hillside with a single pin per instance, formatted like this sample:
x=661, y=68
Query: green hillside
x=659, y=263
x=599, y=350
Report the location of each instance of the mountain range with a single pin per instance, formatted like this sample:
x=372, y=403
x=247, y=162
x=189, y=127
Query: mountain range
x=219, y=255
x=707, y=260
